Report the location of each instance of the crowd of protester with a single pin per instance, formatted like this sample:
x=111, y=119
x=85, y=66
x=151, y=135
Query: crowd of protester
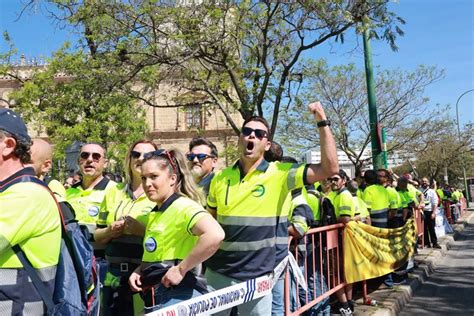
x=173, y=227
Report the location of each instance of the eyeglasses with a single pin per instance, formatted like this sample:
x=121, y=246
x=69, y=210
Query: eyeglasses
x=95, y=156
x=136, y=154
x=162, y=153
x=259, y=133
x=200, y=157
x=334, y=179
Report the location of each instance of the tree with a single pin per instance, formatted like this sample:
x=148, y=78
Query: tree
x=439, y=148
x=243, y=55
x=402, y=108
x=75, y=99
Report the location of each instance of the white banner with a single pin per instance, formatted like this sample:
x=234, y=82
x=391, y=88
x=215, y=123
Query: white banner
x=225, y=298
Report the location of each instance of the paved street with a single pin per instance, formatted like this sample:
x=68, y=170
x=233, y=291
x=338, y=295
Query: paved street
x=450, y=290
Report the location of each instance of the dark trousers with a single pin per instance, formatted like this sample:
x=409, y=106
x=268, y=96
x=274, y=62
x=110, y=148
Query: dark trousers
x=429, y=234
x=118, y=301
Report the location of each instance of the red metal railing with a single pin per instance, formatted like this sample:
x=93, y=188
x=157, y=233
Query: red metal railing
x=323, y=268
x=447, y=211
x=420, y=225
x=463, y=202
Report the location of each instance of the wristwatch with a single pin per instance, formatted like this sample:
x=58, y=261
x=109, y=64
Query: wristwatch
x=324, y=123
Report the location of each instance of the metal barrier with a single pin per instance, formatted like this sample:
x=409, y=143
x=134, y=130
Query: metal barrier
x=463, y=202
x=319, y=255
x=447, y=211
x=420, y=225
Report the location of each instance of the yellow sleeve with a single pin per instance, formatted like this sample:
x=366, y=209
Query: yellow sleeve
x=192, y=214
x=295, y=176
x=367, y=197
x=211, y=197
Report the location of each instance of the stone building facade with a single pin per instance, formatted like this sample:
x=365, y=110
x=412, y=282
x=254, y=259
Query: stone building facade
x=171, y=124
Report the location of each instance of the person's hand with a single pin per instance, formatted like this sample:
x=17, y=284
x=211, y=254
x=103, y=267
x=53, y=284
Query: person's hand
x=116, y=229
x=173, y=277
x=134, y=280
x=133, y=227
x=357, y=218
x=433, y=215
x=317, y=109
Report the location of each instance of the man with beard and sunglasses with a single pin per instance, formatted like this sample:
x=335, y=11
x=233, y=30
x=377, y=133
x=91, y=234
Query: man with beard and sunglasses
x=86, y=196
x=247, y=199
x=202, y=157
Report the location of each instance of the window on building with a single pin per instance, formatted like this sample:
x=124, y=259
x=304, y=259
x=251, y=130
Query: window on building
x=194, y=116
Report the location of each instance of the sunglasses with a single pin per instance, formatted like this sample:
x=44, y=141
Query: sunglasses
x=259, y=133
x=162, y=153
x=334, y=179
x=200, y=157
x=136, y=154
x=95, y=156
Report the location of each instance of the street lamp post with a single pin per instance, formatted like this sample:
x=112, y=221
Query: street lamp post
x=468, y=195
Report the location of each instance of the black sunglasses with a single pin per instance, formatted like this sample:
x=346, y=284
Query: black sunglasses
x=95, y=156
x=136, y=154
x=259, y=133
x=200, y=157
x=162, y=153
x=334, y=179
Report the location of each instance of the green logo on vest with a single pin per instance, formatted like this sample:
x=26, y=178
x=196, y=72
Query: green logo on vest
x=258, y=191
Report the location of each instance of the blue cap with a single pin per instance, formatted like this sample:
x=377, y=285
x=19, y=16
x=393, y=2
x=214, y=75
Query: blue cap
x=12, y=123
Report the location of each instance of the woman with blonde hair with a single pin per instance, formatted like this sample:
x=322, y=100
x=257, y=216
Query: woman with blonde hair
x=122, y=220
x=179, y=236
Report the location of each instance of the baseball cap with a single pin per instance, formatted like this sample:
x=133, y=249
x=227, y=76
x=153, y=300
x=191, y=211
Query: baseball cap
x=12, y=123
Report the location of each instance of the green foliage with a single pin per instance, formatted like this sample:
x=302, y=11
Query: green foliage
x=439, y=147
x=241, y=54
x=76, y=98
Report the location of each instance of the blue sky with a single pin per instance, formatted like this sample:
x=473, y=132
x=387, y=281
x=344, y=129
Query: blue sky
x=438, y=32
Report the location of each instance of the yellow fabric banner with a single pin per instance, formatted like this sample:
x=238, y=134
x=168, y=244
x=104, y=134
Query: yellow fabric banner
x=370, y=252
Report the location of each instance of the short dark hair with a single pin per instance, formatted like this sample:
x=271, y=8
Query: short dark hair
x=352, y=186
x=95, y=143
x=22, y=147
x=343, y=174
x=288, y=159
x=198, y=141
x=387, y=173
x=370, y=177
x=260, y=119
x=275, y=153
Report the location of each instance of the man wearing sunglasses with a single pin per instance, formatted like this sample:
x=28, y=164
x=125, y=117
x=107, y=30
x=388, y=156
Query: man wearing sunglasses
x=87, y=195
x=202, y=157
x=247, y=199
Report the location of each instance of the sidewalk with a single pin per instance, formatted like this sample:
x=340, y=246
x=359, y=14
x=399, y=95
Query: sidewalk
x=391, y=301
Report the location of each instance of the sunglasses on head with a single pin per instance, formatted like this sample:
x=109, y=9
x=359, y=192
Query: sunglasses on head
x=162, y=153
x=136, y=154
x=200, y=157
x=95, y=156
x=259, y=133
x=334, y=179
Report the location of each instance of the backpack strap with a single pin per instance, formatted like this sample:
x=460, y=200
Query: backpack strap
x=43, y=291
x=20, y=179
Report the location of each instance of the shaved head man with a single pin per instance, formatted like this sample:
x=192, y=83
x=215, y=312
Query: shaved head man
x=41, y=157
x=42, y=162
